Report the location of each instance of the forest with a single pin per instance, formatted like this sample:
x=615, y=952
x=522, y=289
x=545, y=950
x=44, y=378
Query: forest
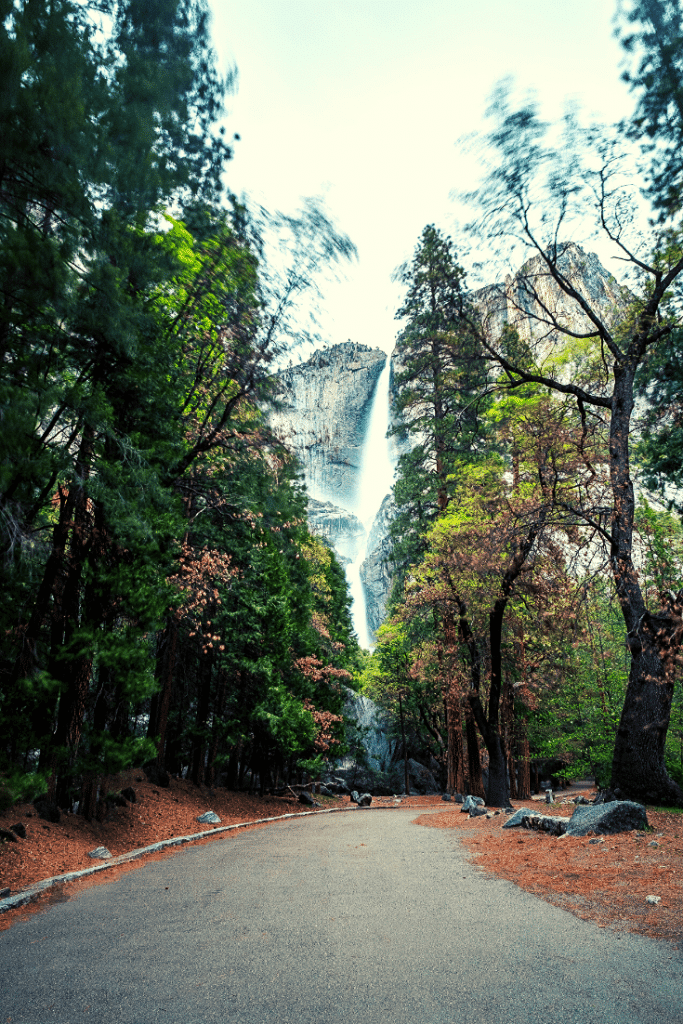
x=164, y=601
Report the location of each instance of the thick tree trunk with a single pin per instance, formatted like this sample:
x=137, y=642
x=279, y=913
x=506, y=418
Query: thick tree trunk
x=474, y=772
x=497, y=791
x=638, y=768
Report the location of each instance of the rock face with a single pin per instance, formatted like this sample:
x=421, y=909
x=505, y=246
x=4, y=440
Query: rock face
x=523, y=297
x=375, y=570
x=343, y=531
x=325, y=405
x=372, y=725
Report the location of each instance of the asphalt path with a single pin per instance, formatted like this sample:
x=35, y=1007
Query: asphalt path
x=359, y=917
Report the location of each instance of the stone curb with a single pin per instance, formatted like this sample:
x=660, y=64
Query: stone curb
x=32, y=892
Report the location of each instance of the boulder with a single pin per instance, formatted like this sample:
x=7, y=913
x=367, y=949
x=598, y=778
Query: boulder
x=471, y=801
x=306, y=798
x=209, y=818
x=607, y=818
x=447, y=797
x=518, y=817
x=477, y=812
x=19, y=829
x=364, y=800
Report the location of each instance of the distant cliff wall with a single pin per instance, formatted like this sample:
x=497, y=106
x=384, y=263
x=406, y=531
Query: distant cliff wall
x=325, y=404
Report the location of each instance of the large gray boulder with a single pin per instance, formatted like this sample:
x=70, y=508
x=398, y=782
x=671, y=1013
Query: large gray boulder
x=422, y=782
x=606, y=819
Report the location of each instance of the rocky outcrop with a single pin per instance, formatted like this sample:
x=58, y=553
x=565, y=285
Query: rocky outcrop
x=324, y=406
x=341, y=529
x=525, y=299
x=375, y=570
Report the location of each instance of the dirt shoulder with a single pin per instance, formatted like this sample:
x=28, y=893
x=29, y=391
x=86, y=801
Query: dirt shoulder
x=605, y=882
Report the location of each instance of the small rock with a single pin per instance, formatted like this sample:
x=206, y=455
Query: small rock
x=209, y=818
x=477, y=812
x=306, y=798
x=654, y=900
x=20, y=830
x=100, y=853
x=580, y=800
x=4, y=893
x=592, y=842
x=491, y=814
x=653, y=843
x=7, y=836
x=447, y=797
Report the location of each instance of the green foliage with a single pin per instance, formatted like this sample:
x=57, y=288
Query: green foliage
x=286, y=721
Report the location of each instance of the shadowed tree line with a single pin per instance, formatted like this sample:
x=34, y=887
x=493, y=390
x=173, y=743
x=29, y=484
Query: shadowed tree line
x=163, y=600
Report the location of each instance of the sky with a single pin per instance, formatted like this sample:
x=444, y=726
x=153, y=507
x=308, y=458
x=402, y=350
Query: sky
x=369, y=103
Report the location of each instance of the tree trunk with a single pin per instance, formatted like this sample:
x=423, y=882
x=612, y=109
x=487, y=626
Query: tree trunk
x=455, y=774
x=405, y=748
x=508, y=735
x=497, y=793
x=476, y=780
x=638, y=768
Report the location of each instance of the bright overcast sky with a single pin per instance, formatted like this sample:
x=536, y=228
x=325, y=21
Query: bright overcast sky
x=363, y=101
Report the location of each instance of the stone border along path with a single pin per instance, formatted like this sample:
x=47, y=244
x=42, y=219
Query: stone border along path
x=32, y=892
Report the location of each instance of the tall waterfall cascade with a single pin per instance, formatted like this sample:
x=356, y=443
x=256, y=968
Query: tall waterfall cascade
x=334, y=412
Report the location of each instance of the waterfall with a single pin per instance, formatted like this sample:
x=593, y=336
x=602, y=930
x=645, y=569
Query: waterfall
x=376, y=479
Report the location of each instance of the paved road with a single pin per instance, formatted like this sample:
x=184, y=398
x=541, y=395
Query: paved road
x=354, y=918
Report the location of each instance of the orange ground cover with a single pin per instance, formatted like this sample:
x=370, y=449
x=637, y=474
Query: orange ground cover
x=605, y=882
